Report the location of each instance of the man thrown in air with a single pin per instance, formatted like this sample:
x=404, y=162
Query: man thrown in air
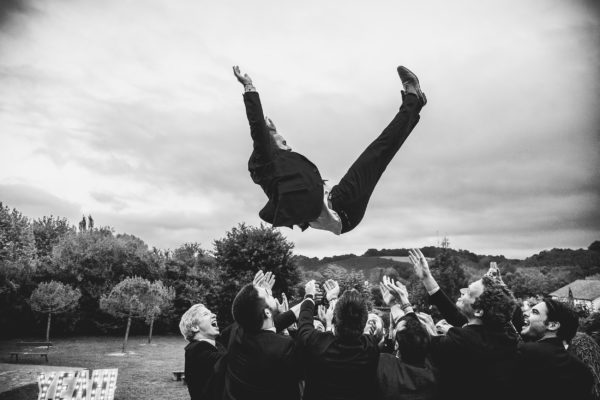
x=297, y=193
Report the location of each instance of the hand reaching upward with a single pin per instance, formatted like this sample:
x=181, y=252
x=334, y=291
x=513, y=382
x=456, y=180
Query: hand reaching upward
x=265, y=281
x=332, y=289
x=398, y=288
x=421, y=268
x=243, y=79
x=387, y=296
x=419, y=262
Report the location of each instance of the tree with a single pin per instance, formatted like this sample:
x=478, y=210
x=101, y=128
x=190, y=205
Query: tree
x=128, y=299
x=47, y=232
x=18, y=264
x=196, y=278
x=159, y=299
x=448, y=273
x=246, y=249
x=96, y=260
x=17, y=243
x=82, y=224
x=53, y=298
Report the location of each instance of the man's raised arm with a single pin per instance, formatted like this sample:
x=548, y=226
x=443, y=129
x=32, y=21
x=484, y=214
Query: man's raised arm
x=254, y=112
x=437, y=297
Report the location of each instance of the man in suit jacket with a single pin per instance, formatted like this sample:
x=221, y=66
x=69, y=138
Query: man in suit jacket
x=547, y=370
x=479, y=359
x=297, y=193
x=199, y=327
x=260, y=364
x=340, y=365
x=407, y=374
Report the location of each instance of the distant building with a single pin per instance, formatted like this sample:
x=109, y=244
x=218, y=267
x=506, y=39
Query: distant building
x=585, y=292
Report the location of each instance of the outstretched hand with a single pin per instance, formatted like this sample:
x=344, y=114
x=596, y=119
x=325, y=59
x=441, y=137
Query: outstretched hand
x=419, y=263
x=332, y=289
x=243, y=79
x=387, y=296
x=282, y=306
x=262, y=280
x=310, y=288
x=396, y=287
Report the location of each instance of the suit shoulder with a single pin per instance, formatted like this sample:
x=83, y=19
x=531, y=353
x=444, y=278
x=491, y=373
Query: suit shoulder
x=197, y=347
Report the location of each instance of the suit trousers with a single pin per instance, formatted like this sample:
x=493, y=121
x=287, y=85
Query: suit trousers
x=350, y=197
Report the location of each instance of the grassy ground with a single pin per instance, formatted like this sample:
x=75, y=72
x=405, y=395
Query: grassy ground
x=144, y=373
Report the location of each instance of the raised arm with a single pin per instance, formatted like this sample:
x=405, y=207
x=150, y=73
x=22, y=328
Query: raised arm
x=437, y=297
x=258, y=126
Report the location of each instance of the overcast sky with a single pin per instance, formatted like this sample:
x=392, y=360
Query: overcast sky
x=128, y=110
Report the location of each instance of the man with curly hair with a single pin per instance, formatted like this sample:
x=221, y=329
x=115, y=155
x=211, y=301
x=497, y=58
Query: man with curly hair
x=477, y=356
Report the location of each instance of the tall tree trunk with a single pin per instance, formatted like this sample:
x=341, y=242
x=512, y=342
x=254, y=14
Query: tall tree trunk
x=48, y=327
x=127, y=332
x=150, y=334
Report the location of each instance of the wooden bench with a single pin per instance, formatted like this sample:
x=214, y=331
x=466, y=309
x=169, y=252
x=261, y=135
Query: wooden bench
x=31, y=349
x=178, y=375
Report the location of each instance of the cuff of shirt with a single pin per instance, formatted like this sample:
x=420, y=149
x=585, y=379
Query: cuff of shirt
x=433, y=291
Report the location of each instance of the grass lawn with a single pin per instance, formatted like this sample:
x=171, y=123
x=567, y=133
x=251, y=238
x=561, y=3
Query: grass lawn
x=144, y=373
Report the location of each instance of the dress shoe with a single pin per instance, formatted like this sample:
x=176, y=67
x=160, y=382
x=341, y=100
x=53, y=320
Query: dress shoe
x=410, y=82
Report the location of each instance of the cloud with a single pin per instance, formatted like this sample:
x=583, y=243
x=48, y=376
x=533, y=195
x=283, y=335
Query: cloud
x=35, y=203
x=132, y=114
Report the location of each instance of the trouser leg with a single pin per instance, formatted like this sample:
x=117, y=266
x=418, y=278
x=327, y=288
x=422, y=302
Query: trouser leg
x=350, y=197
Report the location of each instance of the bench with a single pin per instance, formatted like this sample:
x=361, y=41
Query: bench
x=178, y=375
x=31, y=349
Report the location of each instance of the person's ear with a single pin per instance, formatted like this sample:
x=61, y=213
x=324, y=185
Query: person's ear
x=195, y=329
x=478, y=313
x=267, y=313
x=553, y=325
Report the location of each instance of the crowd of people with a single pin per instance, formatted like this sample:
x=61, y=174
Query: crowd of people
x=329, y=346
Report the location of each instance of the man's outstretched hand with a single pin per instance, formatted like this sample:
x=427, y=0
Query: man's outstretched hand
x=422, y=271
x=243, y=79
x=332, y=289
x=419, y=263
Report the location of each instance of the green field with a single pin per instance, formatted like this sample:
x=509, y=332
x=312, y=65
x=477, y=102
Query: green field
x=144, y=373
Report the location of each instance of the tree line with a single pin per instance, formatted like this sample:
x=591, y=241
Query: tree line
x=91, y=280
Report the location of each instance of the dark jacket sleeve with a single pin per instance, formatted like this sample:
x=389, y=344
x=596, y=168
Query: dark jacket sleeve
x=305, y=322
x=447, y=308
x=258, y=127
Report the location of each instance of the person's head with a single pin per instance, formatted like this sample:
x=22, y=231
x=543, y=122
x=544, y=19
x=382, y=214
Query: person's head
x=488, y=300
x=198, y=323
x=496, y=303
x=467, y=298
x=412, y=340
x=550, y=318
x=252, y=306
x=350, y=315
x=374, y=320
x=277, y=140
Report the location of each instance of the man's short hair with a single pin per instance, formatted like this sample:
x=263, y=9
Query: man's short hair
x=350, y=315
x=565, y=315
x=413, y=341
x=190, y=319
x=497, y=302
x=248, y=307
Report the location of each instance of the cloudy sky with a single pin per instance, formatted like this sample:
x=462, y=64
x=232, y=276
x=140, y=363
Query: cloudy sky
x=128, y=110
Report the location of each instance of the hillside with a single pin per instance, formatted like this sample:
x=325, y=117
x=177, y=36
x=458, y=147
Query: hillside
x=540, y=273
